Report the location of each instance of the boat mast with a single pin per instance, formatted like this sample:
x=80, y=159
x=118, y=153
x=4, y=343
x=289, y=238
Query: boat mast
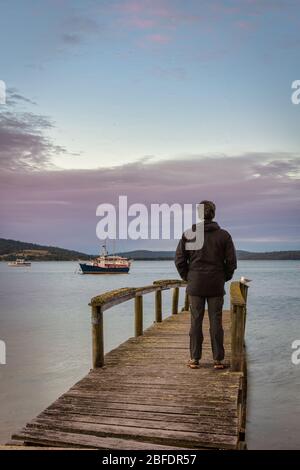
x=104, y=250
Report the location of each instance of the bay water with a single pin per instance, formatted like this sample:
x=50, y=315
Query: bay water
x=46, y=326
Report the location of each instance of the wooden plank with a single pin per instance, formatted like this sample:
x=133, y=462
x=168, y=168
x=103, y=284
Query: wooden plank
x=51, y=437
x=166, y=399
x=204, y=409
x=199, y=425
x=204, y=417
x=157, y=436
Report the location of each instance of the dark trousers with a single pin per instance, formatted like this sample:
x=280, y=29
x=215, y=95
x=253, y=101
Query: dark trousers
x=215, y=306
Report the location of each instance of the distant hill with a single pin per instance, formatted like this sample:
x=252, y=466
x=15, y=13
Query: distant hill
x=269, y=255
x=12, y=249
x=148, y=255
x=242, y=255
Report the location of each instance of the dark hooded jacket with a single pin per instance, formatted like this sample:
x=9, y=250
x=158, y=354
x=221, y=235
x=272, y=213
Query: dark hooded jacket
x=207, y=269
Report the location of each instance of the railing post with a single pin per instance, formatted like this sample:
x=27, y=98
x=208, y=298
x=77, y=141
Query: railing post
x=186, y=302
x=238, y=295
x=175, y=299
x=138, y=315
x=158, y=303
x=244, y=290
x=237, y=337
x=97, y=337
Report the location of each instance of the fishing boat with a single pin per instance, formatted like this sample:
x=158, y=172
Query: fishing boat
x=106, y=264
x=19, y=263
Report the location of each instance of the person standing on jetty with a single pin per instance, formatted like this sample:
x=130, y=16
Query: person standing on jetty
x=206, y=270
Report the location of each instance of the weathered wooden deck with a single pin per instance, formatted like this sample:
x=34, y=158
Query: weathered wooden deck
x=145, y=397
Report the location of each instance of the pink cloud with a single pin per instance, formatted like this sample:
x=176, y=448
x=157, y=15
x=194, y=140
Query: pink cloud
x=159, y=15
x=246, y=25
x=158, y=8
x=142, y=23
x=131, y=6
x=250, y=191
x=249, y=7
x=158, y=38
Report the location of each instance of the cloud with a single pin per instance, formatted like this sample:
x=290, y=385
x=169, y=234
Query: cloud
x=158, y=38
x=250, y=7
x=178, y=73
x=162, y=21
x=13, y=98
x=24, y=143
x=155, y=8
x=143, y=23
x=246, y=25
x=159, y=16
x=257, y=196
x=71, y=38
x=78, y=28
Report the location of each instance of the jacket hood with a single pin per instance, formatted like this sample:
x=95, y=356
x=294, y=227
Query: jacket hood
x=210, y=226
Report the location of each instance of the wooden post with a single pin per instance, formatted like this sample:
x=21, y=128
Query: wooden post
x=237, y=337
x=175, y=299
x=186, y=302
x=97, y=337
x=158, y=303
x=238, y=296
x=244, y=290
x=138, y=317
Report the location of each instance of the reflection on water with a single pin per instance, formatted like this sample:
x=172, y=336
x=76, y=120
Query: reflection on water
x=45, y=322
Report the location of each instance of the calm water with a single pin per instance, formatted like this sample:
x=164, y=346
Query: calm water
x=45, y=322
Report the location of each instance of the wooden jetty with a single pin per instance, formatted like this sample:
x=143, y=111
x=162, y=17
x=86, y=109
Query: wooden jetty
x=142, y=395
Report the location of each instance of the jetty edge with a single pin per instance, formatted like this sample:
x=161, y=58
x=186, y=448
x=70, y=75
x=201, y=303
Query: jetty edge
x=141, y=395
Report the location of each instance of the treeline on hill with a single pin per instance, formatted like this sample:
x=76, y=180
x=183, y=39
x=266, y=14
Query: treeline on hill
x=12, y=249
x=242, y=255
x=269, y=255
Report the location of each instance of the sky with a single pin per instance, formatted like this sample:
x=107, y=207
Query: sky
x=165, y=101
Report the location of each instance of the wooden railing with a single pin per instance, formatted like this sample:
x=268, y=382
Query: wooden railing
x=103, y=302
x=100, y=303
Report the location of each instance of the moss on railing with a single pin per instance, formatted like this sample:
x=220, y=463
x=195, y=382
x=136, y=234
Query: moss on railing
x=115, y=294
x=150, y=288
x=169, y=282
x=112, y=295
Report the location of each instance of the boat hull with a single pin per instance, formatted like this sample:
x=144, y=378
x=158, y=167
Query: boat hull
x=23, y=265
x=89, y=269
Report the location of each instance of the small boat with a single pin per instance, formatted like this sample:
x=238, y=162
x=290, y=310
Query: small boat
x=19, y=263
x=106, y=264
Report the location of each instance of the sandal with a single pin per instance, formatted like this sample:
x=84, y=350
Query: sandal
x=193, y=364
x=218, y=365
